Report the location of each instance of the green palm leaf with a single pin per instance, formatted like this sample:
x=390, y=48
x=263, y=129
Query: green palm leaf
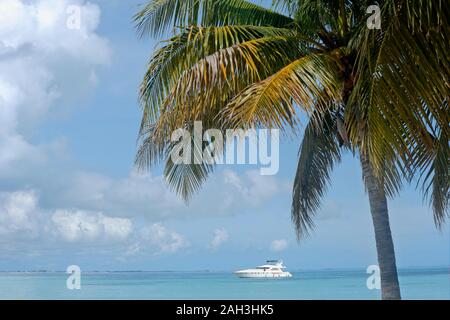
x=159, y=15
x=270, y=102
x=319, y=152
x=183, y=51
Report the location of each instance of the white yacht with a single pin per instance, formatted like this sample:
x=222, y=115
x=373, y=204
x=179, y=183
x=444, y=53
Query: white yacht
x=272, y=269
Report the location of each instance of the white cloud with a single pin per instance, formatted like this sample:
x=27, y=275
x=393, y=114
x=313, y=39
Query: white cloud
x=252, y=188
x=18, y=213
x=21, y=215
x=133, y=249
x=135, y=195
x=279, y=245
x=43, y=24
x=84, y=226
x=163, y=239
x=220, y=237
x=42, y=62
x=139, y=195
x=21, y=218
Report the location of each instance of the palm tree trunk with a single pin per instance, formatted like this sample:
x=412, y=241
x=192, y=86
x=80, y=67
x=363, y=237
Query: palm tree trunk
x=390, y=289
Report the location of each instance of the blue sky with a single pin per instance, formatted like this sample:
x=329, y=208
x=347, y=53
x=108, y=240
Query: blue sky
x=68, y=194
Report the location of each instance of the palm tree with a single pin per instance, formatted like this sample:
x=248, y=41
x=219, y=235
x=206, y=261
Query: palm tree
x=382, y=94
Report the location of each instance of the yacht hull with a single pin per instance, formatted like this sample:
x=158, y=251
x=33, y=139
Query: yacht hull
x=272, y=270
x=263, y=275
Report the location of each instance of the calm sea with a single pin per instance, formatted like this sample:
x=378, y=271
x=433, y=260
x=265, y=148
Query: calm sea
x=432, y=283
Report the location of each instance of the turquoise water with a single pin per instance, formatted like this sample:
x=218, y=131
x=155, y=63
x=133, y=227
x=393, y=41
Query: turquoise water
x=327, y=284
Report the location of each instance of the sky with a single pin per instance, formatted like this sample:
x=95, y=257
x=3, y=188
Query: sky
x=69, y=193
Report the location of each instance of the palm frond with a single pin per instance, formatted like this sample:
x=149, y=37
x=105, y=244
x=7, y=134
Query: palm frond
x=436, y=181
x=183, y=51
x=205, y=88
x=151, y=148
x=184, y=178
x=160, y=15
x=319, y=152
x=271, y=102
x=187, y=178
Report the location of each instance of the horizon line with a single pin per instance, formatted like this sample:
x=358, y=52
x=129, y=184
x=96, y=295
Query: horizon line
x=213, y=271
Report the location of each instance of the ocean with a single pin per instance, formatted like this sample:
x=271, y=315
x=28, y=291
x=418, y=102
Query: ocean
x=429, y=283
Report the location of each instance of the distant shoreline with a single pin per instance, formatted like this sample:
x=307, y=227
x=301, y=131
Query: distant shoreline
x=227, y=271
